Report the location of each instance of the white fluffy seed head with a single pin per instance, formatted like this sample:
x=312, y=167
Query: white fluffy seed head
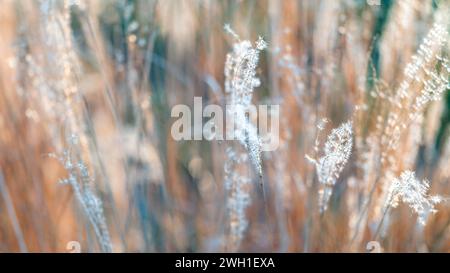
x=413, y=192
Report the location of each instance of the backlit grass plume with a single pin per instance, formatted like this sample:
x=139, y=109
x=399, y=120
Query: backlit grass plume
x=240, y=81
x=336, y=153
x=413, y=192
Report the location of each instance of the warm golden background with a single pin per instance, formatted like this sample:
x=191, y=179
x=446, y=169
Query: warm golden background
x=93, y=82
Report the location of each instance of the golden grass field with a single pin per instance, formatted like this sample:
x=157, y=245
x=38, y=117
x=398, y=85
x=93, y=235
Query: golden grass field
x=87, y=155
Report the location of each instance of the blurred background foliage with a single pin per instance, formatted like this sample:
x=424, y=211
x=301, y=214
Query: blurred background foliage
x=136, y=59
